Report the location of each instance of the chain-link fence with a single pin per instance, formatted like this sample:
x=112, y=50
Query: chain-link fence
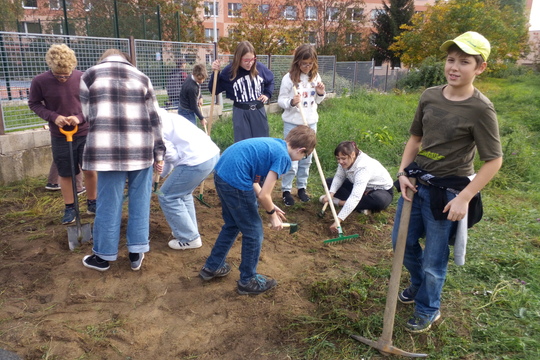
x=22, y=57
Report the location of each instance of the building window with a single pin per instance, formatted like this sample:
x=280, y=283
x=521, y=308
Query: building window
x=375, y=13
x=289, y=13
x=209, y=34
x=353, y=38
x=331, y=37
x=332, y=13
x=59, y=5
x=355, y=14
x=234, y=9
x=264, y=9
x=312, y=37
x=30, y=27
x=29, y=4
x=311, y=13
x=209, y=8
x=233, y=32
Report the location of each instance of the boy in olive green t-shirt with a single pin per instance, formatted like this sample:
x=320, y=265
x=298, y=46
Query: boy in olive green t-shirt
x=451, y=122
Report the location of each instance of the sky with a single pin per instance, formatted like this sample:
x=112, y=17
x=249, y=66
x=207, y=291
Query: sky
x=535, y=15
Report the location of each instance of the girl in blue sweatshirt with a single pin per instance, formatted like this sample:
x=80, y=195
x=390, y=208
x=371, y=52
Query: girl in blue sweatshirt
x=250, y=85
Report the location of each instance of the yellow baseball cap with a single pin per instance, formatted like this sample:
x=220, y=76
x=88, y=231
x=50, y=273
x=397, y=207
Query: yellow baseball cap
x=471, y=43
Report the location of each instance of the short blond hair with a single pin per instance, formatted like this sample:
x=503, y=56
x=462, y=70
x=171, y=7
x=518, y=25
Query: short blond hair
x=61, y=59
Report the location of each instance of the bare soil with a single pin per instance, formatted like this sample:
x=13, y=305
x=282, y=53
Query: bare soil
x=51, y=307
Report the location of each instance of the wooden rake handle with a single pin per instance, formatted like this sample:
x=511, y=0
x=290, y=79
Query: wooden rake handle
x=321, y=174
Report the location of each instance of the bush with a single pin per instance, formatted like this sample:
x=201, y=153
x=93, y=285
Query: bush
x=430, y=73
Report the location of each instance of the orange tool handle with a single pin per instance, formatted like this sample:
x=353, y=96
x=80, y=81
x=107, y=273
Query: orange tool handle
x=69, y=134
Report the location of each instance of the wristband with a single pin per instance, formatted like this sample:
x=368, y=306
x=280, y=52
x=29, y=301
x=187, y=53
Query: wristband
x=401, y=173
x=271, y=212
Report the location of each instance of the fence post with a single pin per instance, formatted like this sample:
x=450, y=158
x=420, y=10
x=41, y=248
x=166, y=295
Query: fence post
x=132, y=51
x=386, y=77
x=2, y=127
x=178, y=24
x=372, y=72
x=355, y=75
x=334, y=75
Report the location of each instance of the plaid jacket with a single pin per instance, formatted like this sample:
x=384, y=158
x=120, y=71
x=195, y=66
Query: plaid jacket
x=119, y=103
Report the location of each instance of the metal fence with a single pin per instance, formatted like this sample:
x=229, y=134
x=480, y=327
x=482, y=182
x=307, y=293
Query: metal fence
x=22, y=57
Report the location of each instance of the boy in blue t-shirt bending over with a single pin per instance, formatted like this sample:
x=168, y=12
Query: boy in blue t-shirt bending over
x=237, y=176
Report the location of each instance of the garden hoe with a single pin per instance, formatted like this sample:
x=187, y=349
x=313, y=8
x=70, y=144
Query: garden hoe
x=292, y=227
x=207, y=131
x=341, y=236
x=321, y=213
x=384, y=343
x=80, y=233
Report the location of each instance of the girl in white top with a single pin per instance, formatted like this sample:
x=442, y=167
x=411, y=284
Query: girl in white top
x=193, y=155
x=304, y=76
x=360, y=183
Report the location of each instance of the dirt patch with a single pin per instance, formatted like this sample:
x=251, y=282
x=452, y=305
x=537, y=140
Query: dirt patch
x=52, y=307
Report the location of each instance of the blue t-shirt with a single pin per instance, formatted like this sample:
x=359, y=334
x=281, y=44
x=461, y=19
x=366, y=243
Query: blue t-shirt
x=246, y=162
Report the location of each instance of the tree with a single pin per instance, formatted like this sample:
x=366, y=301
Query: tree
x=339, y=27
x=11, y=12
x=269, y=29
x=387, y=25
x=503, y=25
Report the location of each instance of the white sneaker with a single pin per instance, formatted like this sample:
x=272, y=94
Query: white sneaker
x=184, y=245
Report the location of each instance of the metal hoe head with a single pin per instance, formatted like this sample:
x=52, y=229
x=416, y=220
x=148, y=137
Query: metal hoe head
x=200, y=198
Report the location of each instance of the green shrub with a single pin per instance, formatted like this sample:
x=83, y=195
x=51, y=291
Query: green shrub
x=430, y=73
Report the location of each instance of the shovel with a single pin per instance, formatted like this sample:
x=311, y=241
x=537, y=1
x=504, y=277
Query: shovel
x=384, y=343
x=78, y=233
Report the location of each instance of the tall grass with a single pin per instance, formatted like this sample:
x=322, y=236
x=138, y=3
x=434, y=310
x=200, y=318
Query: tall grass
x=491, y=305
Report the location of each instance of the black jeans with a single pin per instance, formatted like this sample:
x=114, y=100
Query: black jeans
x=375, y=200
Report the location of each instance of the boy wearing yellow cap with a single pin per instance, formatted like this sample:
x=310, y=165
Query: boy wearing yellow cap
x=451, y=123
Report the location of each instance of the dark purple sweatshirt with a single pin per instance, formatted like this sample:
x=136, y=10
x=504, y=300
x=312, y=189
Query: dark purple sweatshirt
x=50, y=98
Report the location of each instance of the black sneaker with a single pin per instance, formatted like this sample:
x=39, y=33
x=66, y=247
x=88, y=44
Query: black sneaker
x=256, y=285
x=406, y=296
x=287, y=198
x=303, y=195
x=82, y=191
x=207, y=274
x=69, y=215
x=91, y=209
x=421, y=323
x=95, y=262
x=52, y=187
x=136, y=260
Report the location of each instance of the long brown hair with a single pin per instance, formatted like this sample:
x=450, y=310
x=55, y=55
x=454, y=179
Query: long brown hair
x=242, y=49
x=303, y=52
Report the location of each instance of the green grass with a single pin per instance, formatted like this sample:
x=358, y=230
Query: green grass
x=491, y=306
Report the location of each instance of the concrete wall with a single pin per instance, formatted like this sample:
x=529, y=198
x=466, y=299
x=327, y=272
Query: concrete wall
x=24, y=154
x=28, y=153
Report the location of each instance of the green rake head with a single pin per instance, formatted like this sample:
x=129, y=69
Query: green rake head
x=341, y=237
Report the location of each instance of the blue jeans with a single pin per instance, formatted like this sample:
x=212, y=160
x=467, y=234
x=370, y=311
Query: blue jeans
x=110, y=187
x=188, y=114
x=427, y=266
x=240, y=212
x=176, y=198
x=300, y=168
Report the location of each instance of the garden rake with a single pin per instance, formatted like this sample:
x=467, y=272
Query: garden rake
x=207, y=131
x=341, y=235
x=384, y=343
